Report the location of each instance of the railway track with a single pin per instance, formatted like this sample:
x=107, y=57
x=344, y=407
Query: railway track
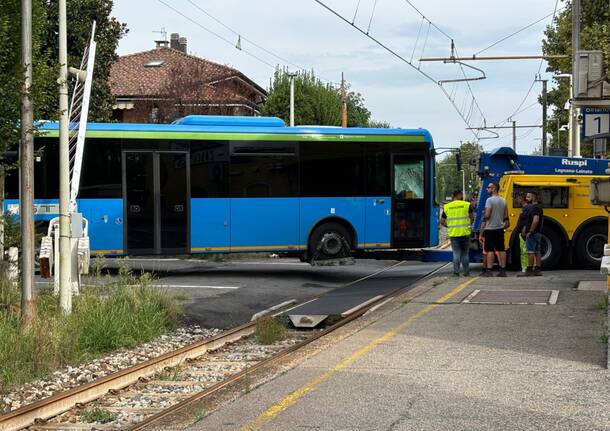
x=140, y=396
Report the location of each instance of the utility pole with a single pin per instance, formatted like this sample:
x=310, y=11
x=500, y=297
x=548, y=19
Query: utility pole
x=65, y=248
x=343, y=103
x=575, y=48
x=292, y=76
x=26, y=170
x=544, y=116
x=515, y=136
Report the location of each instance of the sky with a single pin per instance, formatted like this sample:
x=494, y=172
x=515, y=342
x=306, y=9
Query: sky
x=304, y=34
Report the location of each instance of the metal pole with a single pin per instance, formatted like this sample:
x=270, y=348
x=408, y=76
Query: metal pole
x=515, y=136
x=292, y=75
x=26, y=170
x=544, y=118
x=575, y=144
x=558, y=137
x=2, y=179
x=463, y=184
x=65, y=285
x=343, y=103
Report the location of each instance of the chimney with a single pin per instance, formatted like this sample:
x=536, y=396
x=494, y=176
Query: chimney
x=174, y=41
x=182, y=42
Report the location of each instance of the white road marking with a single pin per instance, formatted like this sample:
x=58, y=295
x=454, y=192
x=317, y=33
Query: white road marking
x=197, y=286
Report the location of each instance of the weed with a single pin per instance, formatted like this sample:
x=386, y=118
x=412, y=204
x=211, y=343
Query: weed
x=98, y=265
x=200, y=414
x=603, y=308
x=99, y=415
x=438, y=281
x=181, y=297
x=603, y=304
x=171, y=374
x=217, y=257
x=269, y=330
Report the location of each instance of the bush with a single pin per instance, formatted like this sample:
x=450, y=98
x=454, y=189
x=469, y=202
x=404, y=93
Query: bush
x=120, y=314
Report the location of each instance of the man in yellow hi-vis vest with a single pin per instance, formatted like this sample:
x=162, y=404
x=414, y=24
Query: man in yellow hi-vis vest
x=457, y=217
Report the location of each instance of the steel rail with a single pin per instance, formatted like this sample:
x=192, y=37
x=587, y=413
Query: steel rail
x=238, y=376
x=64, y=401
x=61, y=402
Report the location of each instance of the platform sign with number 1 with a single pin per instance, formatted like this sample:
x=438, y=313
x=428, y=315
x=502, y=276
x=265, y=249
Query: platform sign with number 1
x=596, y=121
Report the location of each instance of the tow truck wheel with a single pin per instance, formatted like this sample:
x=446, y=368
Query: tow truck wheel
x=551, y=248
x=589, y=248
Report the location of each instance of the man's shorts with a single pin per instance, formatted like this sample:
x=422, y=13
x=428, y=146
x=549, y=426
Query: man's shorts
x=532, y=242
x=494, y=240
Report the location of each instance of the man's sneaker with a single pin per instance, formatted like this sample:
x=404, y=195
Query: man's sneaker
x=526, y=273
x=537, y=272
x=467, y=274
x=486, y=274
x=502, y=273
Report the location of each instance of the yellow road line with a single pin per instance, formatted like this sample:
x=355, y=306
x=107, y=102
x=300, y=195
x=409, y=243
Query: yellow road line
x=291, y=399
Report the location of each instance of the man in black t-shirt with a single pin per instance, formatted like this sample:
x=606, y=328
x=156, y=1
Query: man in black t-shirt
x=532, y=229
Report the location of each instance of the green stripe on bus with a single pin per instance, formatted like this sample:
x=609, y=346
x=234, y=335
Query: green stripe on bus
x=243, y=136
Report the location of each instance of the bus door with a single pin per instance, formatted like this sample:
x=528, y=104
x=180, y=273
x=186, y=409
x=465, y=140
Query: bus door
x=157, y=199
x=408, y=200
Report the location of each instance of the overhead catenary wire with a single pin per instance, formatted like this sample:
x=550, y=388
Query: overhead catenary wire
x=405, y=60
x=198, y=24
x=507, y=119
x=371, y=19
x=250, y=41
x=515, y=33
x=224, y=39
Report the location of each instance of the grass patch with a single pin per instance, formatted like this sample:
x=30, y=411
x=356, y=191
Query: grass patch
x=269, y=330
x=123, y=312
x=99, y=415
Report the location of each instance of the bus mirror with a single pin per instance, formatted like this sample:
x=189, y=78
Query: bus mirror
x=599, y=191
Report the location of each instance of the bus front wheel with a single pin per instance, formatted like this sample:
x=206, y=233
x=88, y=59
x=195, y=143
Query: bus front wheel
x=589, y=248
x=329, y=241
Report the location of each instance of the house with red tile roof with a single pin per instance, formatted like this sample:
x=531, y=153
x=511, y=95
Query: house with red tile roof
x=166, y=83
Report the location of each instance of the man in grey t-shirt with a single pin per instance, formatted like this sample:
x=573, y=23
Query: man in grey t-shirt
x=495, y=220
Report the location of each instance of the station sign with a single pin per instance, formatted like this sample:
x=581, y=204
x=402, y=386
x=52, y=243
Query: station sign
x=596, y=121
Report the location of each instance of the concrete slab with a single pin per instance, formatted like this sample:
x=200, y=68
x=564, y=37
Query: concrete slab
x=595, y=285
x=427, y=366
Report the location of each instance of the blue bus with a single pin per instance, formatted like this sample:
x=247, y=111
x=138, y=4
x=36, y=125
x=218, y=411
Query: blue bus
x=208, y=184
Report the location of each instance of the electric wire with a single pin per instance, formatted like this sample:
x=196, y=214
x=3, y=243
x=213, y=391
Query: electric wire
x=198, y=24
x=372, y=15
x=403, y=59
x=514, y=33
x=250, y=41
x=356, y=12
x=535, y=77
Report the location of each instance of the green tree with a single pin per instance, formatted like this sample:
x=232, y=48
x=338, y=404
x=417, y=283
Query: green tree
x=449, y=179
x=315, y=102
x=11, y=70
x=80, y=16
x=595, y=35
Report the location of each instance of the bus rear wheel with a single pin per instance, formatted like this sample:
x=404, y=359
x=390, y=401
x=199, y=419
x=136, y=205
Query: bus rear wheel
x=589, y=248
x=329, y=241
